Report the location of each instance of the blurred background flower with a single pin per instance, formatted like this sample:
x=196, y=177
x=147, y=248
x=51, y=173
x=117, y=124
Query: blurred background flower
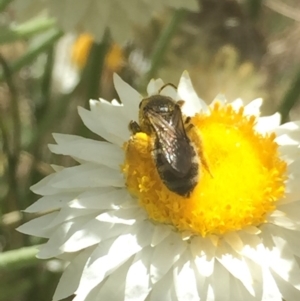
x=55, y=55
x=96, y=16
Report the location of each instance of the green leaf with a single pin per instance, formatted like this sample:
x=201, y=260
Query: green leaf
x=163, y=43
x=25, y=30
x=35, y=49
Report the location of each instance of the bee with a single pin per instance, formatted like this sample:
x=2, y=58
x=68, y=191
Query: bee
x=174, y=154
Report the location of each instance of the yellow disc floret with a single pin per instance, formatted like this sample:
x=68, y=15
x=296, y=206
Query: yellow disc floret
x=245, y=179
x=81, y=49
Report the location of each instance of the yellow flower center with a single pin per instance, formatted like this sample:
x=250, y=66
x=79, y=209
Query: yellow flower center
x=245, y=181
x=81, y=49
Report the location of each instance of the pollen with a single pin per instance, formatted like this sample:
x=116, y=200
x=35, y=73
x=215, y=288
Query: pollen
x=239, y=185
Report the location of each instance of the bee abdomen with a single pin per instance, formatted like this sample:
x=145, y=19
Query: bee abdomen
x=180, y=184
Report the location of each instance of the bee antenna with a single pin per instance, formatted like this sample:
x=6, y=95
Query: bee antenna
x=166, y=85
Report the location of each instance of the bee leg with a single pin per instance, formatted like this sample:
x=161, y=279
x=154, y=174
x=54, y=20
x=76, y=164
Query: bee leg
x=187, y=120
x=180, y=103
x=134, y=127
x=200, y=150
x=188, y=125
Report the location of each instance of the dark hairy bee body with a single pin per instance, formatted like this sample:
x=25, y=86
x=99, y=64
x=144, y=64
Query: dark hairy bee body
x=174, y=154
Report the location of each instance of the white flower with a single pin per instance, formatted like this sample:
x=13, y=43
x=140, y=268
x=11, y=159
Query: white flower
x=94, y=16
x=236, y=237
x=66, y=74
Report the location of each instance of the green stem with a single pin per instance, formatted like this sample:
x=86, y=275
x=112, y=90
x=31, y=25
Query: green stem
x=93, y=72
x=254, y=8
x=14, y=105
x=47, y=78
x=13, y=151
x=46, y=123
x=20, y=258
x=163, y=42
x=290, y=99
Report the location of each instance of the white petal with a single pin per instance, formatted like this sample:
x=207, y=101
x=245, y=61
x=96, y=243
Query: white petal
x=128, y=216
x=202, y=246
x=66, y=214
x=164, y=289
x=84, y=176
x=112, y=253
x=129, y=97
x=137, y=280
x=165, y=255
x=289, y=153
x=93, y=124
x=193, y=104
x=252, y=245
x=237, y=104
x=204, y=255
x=205, y=265
x=282, y=262
x=289, y=127
x=238, y=292
x=270, y=288
x=235, y=264
x=294, y=169
x=288, y=291
x=154, y=86
x=291, y=237
x=285, y=139
x=90, y=234
x=268, y=123
x=284, y=221
x=59, y=236
x=100, y=198
x=70, y=278
x=184, y=279
x=51, y=202
x=292, y=189
x=220, y=282
x=252, y=230
x=207, y=292
x=233, y=239
x=114, y=119
x=257, y=278
x=100, y=152
x=291, y=211
x=114, y=286
x=253, y=108
x=160, y=233
x=43, y=187
x=38, y=226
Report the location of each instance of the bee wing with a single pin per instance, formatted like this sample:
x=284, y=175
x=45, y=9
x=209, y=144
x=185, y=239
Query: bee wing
x=173, y=141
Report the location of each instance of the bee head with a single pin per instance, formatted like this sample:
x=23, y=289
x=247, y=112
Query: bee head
x=160, y=104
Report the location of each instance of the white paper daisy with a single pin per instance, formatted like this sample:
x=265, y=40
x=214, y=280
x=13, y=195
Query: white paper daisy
x=128, y=237
x=94, y=16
